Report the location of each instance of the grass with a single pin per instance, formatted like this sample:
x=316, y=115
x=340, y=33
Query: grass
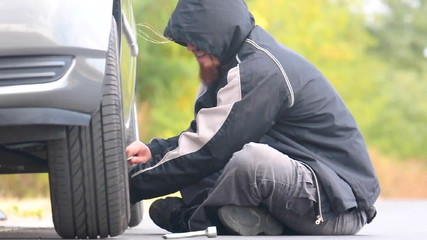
x=28, y=208
x=38, y=209
x=400, y=178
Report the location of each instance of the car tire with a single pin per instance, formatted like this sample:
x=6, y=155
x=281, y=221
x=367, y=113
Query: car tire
x=87, y=169
x=136, y=210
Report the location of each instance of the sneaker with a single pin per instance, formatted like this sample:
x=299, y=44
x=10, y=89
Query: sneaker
x=168, y=213
x=249, y=221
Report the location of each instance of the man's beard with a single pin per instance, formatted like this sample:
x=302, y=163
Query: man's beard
x=209, y=72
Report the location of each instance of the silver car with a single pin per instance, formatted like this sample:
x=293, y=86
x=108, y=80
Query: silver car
x=67, y=107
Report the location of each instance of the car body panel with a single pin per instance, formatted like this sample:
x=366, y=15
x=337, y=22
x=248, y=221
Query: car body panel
x=60, y=27
x=41, y=26
x=39, y=32
x=80, y=89
x=128, y=64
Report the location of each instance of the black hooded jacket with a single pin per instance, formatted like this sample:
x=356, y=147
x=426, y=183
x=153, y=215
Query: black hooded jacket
x=268, y=94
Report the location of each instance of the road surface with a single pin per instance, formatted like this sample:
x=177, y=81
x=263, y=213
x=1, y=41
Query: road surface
x=397, y=219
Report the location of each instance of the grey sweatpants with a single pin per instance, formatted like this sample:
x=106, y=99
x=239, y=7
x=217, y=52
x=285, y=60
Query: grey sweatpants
x=260, y=175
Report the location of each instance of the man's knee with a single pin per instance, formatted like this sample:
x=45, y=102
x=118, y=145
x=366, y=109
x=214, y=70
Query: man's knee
x=259, y=157
x=244, y=158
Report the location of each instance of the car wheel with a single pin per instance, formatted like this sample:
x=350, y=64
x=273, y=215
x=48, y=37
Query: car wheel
x=136, y=210
x=87, y=169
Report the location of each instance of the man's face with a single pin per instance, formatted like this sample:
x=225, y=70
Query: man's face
x=208, y=64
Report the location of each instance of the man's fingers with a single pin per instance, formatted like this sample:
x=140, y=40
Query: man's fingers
x=133, y=149
x=129, y=150
x=138, y=152
x=136, y=160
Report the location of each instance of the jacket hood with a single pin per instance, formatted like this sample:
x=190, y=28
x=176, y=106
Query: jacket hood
x=217, y=26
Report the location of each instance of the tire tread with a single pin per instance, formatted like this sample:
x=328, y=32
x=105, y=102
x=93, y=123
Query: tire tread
x=87, y=170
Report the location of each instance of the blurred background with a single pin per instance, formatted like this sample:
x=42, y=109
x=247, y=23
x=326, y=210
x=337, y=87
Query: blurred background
x=373, y=51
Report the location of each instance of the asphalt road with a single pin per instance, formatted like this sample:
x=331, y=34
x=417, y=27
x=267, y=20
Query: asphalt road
x=397, y=219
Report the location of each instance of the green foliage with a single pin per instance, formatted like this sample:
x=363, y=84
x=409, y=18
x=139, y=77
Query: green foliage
x=167, y=74
x=399, y=126
x=366, y=62
x=401, y=33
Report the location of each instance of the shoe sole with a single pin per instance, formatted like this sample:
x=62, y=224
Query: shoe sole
x=249, y=221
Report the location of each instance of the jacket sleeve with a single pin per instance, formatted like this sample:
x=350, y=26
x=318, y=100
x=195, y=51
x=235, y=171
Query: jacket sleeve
x=247, y=106
x=159, y=147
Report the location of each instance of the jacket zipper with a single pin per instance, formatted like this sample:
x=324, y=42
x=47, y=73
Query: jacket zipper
x=318, y=209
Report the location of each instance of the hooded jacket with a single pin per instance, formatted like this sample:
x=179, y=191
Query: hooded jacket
x=268, y=94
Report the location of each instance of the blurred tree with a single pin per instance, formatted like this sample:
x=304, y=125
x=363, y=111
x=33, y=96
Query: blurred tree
x=401, y=33
x=167, y=74
x=399, y=126
x=401, y=46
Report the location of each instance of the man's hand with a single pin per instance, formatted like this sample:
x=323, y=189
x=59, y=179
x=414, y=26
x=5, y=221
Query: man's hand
x=140, y=152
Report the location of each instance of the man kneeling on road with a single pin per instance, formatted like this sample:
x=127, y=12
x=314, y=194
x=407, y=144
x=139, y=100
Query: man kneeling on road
x=272, y=150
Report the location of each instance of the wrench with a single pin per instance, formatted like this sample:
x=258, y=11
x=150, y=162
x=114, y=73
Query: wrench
x=210, y=232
